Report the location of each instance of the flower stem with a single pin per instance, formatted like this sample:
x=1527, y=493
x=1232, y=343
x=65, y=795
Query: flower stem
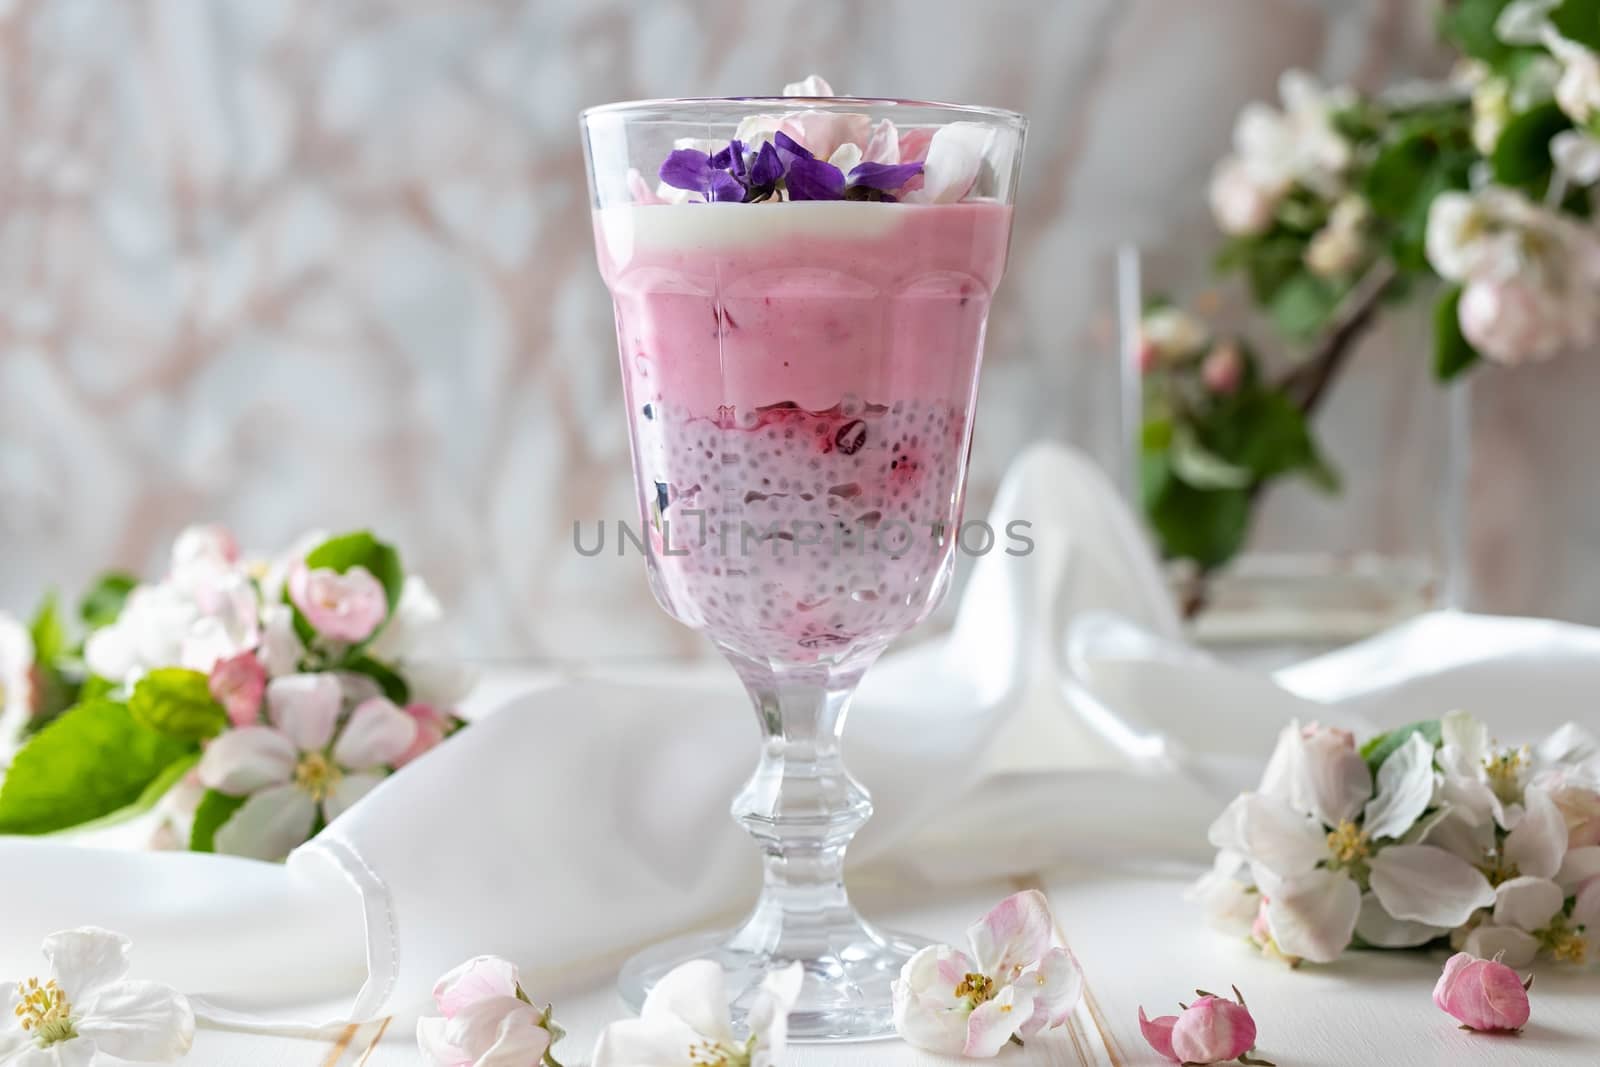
x=1017, y=1041
x=550, y=1059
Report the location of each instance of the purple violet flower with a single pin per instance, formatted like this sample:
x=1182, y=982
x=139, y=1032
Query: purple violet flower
x=735, y=174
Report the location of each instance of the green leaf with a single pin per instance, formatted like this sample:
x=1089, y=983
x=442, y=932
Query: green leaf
x=1303, y=305
x=1404, y=179
x=394, y=687
x=1194, y=464
x=1453, y=354
x=1205, y=525
x=1470, y=24
x=214, y=810
x=1380, y=748
x=1522, y=155
x=1262, y=431
x=1579, y=20
x=102, y=604
x=158, y=788
x=1276, y=259
x=178, y=703
x=92, y=761
x=49, y=635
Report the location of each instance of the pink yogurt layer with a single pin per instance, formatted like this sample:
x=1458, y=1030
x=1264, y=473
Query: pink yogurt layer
x=800, y=378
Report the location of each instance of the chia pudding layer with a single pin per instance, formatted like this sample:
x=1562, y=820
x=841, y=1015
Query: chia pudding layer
x=800, y=378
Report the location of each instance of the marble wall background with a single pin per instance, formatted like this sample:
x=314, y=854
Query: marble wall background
x=293, y=263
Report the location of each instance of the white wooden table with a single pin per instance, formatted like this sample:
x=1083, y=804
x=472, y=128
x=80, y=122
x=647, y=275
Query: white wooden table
x=1139, y=943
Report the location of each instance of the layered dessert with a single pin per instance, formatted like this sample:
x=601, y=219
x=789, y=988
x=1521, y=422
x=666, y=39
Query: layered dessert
x=800, y=354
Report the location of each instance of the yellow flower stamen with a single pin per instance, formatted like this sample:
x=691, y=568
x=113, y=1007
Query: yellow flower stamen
x=1504, y=771
x=1499, y=869
x=317, y=775
x=976, y=988
x=45, y=1012
x=1564, y=943
x=1349, y=846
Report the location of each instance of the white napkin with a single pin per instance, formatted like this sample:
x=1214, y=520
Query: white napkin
x=590, y=816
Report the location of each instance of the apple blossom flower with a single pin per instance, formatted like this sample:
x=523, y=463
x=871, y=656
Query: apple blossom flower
x=1230, y=903
x=685, y=1021
x=810, y=85
x=1491, y=112
x=1241, y=205
x=487, y=1020
x=1320, y=830
x=294, y=770
x=1483, y=995
x=211, y=546
x=1212, y=1029
x=1223, y=369
x=88, y=1007
x=1577, y=156
x=1577, y=91
x=344, y=607
x=238, y=684
x=227, y=618
x=413, y=625
x=273, y=575
x=955, y=156
x=1013, y=985
x=1511, y=321
x=1298, y=145
x=16, y=681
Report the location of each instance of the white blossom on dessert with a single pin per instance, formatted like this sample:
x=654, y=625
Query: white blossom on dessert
x=685, y=1021
x=16, y=682
x=1013, y=984
x=1319, y=827
x=486, y=1019
x=86, y=1007
x=955, y=156
x=294, y=770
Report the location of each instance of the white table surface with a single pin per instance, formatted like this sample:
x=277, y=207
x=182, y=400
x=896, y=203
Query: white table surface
x=1140, y=943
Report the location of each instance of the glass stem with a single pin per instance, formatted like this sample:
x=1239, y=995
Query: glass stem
x=802, y=807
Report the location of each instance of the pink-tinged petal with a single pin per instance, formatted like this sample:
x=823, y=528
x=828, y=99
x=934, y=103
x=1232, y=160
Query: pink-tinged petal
x=281, y=648
x=143, y=1021
x=242, y=761
x=1482, y=994
x=1539, y=842
x=992, y=1025
x=1579, y=866
x=695, y=993
x=1212, y=1030
x=1057, y=987
x=270, y=825
x=434, y=1043
x=432, y=725
x=1158, y=1033
x=378, y=733
x=1332, y=781
x=955, y=156
x=1429, y=885
x=239, y=684
x=1512, y=947
x=306, y=708
x=347, y=793
x=884, y=144
x=927, y=1013
x=1313, y=916
x=1013, y=936
x=478, y=979
x=1527, y=903
x=85, y=959
x=499, y=1032
x=1269, y=832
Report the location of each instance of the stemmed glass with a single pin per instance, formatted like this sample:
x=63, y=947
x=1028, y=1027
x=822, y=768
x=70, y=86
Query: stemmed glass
x=800, y=363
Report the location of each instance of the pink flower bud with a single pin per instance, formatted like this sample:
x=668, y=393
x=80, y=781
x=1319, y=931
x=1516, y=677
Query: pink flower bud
x=345, y=607
x=1223, y=369
x=238, y=684
x=1482, y=994
x=1212, y=1030
x=432, y=725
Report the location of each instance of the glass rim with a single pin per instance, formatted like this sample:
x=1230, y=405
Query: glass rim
x=1001, y=116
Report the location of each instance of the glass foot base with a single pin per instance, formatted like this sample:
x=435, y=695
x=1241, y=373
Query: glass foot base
x=846, y=993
